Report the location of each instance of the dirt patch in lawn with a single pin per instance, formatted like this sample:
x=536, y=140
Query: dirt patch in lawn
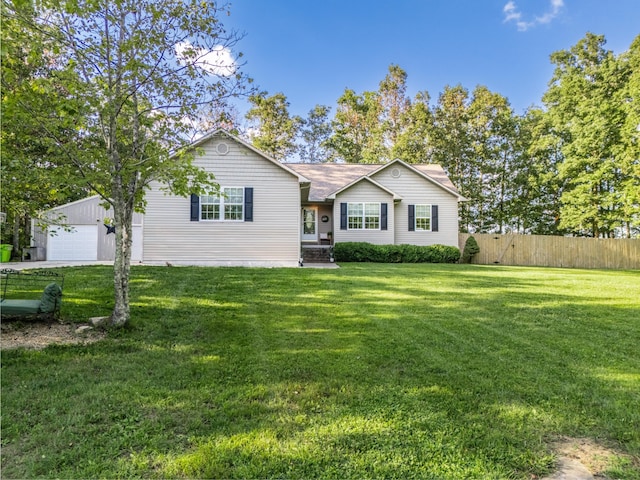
x=596, y=457
x=38, y=335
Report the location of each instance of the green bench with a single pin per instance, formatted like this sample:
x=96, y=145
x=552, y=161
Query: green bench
x=26, y=294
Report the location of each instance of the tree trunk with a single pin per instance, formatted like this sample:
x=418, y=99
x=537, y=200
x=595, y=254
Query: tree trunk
x=16, y=234
x=123, y=219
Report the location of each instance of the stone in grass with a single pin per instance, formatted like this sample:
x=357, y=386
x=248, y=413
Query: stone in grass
x=84, y=329
x=99, y=321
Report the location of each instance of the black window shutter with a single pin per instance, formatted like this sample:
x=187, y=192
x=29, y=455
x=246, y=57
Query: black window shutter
x=434, y=218
x=248, y=204
x=343, y=216
x=195, y=207
x=412, y=218
x=383, y=216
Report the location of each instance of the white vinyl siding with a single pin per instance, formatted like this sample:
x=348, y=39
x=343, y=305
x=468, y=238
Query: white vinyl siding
x=272, y=237
x=364, y=193
x=416, y=190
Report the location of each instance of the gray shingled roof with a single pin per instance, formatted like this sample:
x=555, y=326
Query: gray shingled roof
x=327, y=178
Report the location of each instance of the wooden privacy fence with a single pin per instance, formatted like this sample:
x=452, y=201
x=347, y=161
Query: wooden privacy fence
x=553, y=251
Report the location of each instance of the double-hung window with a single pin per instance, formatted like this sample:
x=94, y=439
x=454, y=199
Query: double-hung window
x=229, y=205
x=363, y=216
x=423, y=218
x=209, y=207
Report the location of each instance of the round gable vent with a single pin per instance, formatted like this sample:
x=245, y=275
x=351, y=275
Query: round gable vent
x=395, y=172
x=222, y=148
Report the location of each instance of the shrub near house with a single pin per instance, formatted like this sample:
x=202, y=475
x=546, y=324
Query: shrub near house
x=404, y=253
x=470, y=249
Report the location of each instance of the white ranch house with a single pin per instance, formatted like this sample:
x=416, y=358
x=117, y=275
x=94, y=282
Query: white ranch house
x=272, y=213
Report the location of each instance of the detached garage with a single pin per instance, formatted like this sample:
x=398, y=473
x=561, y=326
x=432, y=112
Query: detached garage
x=84, y=236
x=81, y=243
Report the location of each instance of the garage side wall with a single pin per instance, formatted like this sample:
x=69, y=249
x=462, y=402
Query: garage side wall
x=85, y=219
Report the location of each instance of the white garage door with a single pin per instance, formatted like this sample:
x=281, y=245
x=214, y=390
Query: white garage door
x=79, y=244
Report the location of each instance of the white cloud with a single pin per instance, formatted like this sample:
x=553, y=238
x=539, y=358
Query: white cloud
x=512, y=14
x=217, y=61
x=556, y=6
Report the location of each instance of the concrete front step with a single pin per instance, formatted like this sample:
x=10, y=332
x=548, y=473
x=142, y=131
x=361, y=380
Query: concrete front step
x=316, y=254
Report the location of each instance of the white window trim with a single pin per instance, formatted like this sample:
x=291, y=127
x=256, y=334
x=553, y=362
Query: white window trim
x=416, y=217
x=364, y=215
x=222, y=198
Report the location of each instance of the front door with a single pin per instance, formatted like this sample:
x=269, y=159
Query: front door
x=309, y=224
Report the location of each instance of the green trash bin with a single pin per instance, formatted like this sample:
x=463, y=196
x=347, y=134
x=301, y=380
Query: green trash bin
x=5, y=252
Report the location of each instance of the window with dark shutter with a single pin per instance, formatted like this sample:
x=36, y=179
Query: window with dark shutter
x=434, y=218
x=383, y=216
x=412, y=218
x=248, y=204
x=195, y=207
x=343, y=216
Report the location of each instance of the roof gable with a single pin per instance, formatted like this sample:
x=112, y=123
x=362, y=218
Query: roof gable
x=92, y=198
x=327, y=179
x=220, y=132
x=364, y=179
x=430, y=171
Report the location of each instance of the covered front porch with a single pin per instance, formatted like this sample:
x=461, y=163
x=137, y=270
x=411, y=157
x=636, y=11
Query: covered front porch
x=317, y=225
x=316, y=234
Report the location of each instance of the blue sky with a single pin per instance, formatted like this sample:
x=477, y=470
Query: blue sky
x=312, y=50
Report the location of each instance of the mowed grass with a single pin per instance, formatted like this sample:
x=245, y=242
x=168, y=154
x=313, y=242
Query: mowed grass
x=368, y=371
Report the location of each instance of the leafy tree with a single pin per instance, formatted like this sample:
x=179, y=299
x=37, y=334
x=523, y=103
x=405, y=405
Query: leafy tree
x=31, y=182
x=453, y=147
x=140, y=71
x=475, y=138
x=315, y=134
x=357, y=133
x=394, y=105
x=583, y=107
x=535, y=204
x=367, y=127
x=628, y=151
x=274, y=130
x=414, y=143
x=493, y=127
x=220, y=115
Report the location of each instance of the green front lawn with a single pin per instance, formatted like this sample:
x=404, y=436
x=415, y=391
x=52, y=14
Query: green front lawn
x=369, y=371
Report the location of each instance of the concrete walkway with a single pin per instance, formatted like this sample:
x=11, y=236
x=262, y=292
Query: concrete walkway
x=48, y=264
x=570, y=469
x=56, y=264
